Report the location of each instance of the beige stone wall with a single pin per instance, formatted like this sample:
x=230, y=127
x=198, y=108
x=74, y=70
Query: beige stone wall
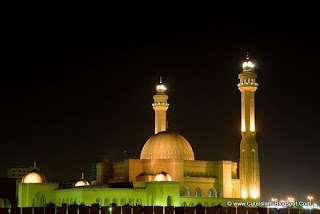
x=236, y=188
x=203, y=185
x=218, y=177
x=133, y=167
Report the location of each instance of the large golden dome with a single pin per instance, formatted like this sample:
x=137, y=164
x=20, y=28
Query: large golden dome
x=167, y=145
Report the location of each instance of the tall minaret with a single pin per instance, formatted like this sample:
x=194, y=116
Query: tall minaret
x=160, y=106
x=249, y=162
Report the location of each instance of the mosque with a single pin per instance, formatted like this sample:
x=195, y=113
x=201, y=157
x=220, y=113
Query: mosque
x=167, y=173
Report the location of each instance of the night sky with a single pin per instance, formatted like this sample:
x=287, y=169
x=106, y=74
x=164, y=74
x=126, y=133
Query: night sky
x=77, y=88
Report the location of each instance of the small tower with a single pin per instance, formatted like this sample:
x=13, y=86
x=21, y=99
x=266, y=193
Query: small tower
x=249, y=162
x=160, y=106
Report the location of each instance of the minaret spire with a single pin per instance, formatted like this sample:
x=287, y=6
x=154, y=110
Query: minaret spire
x=160, y=105
x=249, y=163
x=82, y=175
x=34, y=164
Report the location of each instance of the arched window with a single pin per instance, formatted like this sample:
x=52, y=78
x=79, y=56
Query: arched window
x=186, y=192
x=131, y=201
x=106, y=201
x=212, y=192
x=198, y=192
x=253, y=155
x=99, y=200
x=139, y=201
x=122, y=201
x=115, y=201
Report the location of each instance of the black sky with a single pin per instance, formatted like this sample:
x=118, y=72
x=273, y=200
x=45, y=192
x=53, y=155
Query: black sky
x=77, y=88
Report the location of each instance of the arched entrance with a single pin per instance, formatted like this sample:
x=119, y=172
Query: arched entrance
x=186, y=191
x=39, y=200
x=169, y=201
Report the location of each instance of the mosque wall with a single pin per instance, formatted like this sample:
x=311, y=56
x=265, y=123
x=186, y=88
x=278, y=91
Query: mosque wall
x=132, y=168
x=236, y=188
x=225, y=184
x=147, y=194
x=200, y=187
x=103, y=196
x=201, y=169
x=35, y=194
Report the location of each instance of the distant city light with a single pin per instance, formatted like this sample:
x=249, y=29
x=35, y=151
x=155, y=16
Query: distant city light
x=290, y=199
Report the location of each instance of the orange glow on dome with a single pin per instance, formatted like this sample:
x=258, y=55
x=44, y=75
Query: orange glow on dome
x=163, y=176
x=32, y=177
x=168, y=177
x=82, y=183
x=160, y=177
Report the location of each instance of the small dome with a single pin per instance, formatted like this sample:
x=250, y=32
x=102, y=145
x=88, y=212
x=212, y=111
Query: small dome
x=82, y=183
x=163, y=176
x=247, y=65
x=167, y=145
x=33, y=177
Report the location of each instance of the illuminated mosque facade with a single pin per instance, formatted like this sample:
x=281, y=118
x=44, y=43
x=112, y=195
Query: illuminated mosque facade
x=167, y=173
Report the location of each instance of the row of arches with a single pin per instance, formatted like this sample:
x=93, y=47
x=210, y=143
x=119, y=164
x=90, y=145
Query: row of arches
x=248, y=81
x=104, y=201
x=198, y=192
x=199, y=174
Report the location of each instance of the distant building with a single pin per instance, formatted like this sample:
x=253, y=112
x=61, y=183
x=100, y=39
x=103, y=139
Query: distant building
x=20, y=171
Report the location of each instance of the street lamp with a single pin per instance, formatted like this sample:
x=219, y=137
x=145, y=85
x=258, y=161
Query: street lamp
x=290, y=199
x=310, y=198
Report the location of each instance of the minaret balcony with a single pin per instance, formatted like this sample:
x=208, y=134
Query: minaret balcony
x=247, y=84
x=160, y=104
